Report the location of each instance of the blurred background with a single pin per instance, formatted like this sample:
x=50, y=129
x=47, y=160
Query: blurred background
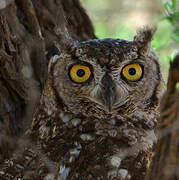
x=121, y=19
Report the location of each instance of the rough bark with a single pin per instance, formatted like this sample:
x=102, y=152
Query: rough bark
x=31, y=31
x=165, y=164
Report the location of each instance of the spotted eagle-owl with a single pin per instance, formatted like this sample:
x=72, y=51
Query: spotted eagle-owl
x=98, y=112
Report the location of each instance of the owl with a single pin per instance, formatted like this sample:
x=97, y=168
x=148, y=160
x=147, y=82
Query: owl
x=98, y=112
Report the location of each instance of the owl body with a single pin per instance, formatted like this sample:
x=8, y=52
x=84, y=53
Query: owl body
x=88, y=134
x=98, y=112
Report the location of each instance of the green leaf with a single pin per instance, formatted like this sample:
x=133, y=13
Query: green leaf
x=168, y=7
x=173, y=4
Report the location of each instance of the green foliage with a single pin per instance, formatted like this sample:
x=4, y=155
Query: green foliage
x=172, y=15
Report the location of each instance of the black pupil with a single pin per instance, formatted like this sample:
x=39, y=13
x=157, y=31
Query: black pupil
x=132, y=71
x=80, y=72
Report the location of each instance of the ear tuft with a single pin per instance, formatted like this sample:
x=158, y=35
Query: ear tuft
x=143, y=39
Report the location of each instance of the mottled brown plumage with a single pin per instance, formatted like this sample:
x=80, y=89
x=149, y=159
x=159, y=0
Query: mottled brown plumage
x=104, y=128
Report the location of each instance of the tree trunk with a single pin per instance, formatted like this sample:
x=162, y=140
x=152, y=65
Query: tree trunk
x=165, y=164
x=31, y=31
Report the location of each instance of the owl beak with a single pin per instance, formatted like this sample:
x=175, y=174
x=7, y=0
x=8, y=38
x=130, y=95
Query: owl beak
x=108, y=92
x=109, y=100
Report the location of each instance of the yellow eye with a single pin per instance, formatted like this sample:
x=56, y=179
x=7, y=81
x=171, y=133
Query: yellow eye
x=80, y=73
x=132, y=72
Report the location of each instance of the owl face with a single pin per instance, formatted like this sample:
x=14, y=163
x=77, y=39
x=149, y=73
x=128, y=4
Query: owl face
x=102, y=77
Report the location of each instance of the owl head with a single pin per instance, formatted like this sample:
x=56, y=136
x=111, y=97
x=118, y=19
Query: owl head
x=102, y=78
